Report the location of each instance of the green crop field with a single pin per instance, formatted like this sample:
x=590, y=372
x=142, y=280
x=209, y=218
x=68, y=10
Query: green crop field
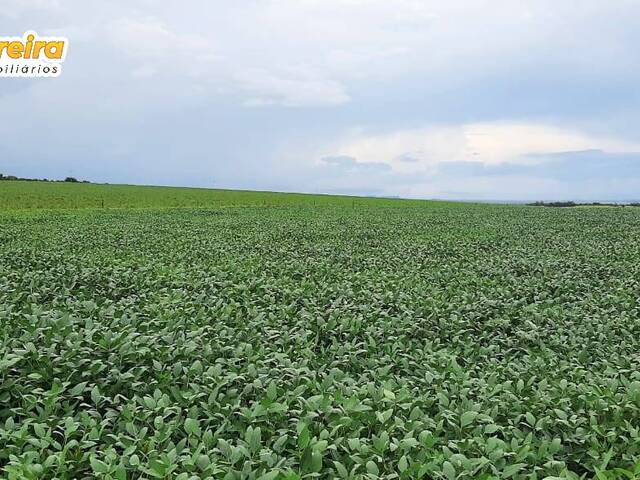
x=264, y=336
x=25, y=195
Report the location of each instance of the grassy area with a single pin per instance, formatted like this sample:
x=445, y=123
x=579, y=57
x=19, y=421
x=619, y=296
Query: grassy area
x=24, y=195
x=448, y=341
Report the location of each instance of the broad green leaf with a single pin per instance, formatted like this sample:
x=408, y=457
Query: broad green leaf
x=372, y=468
x=192, y=426
x=448, y=470
x=467, y=417
x=403, y=464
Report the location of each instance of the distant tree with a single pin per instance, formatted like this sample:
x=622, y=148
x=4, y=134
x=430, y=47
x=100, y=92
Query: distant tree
x=13, y=177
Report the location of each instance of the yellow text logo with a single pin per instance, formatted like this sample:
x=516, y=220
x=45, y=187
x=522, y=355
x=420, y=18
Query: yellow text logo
x=32, y=55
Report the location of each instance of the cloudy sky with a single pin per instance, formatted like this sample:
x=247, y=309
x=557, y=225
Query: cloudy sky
x=464, y=99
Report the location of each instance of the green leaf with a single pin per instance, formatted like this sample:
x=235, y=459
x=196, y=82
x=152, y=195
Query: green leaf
x=531, y=420
x=606, y=459
x=416, y=413
x=121, y=472
x=491, y=428
x=340, y=468
x=280, y=443
x=448, y=470
x=443, y=399
x=372, y=468
x=78, y=389
x=39, y=430
x=303, y=438
x=321, y=445
x=467, y=418
x=192, y=426
x=272, y=391
x=272, y=475
x=203, y=461
x=403, y=464
x=98, y=465
x=511, y=470
x=316, y=462
x=254, y=438
x=561, y=414
x=95, y=395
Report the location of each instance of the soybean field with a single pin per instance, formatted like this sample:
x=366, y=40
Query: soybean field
x=332, y=339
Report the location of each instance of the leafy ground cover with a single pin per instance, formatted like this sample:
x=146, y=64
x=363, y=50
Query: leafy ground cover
x=399, y=340
x=31, y=195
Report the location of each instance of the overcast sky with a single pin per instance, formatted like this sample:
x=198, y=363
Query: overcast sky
x=465, y=99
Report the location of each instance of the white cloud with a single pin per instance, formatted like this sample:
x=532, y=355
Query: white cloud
x=485, y=142
x=162, y=52
x=338, y=43
x=484, y=161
